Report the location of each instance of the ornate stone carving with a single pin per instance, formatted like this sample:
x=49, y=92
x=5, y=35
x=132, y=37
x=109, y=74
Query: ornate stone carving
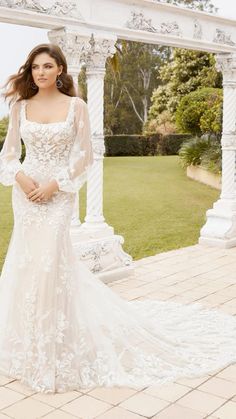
x=170, y=28
x=98, y=144
x=221, y=37
x=139, y=22
x=226, y=62
x=58, y=8
x=96, y=253
x=96, y=52
x=71, y=44
x=197, y=33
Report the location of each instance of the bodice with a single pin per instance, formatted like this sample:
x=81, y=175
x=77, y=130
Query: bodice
x=47, y=144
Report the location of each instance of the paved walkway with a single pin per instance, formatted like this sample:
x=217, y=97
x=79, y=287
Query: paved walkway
x=195, y=273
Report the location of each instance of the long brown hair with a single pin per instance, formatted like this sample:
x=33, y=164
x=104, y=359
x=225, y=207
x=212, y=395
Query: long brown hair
x=19, y=86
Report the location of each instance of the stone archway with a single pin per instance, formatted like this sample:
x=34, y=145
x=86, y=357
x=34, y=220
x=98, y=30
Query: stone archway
x=87, y=31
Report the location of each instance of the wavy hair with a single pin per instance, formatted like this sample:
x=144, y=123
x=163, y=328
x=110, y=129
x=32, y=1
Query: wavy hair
x=19, y=86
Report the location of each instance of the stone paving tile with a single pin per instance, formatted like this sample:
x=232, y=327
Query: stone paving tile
x=20, y=388
x=8, y=397
x=169, y=392
x=58, y=399
x=229, y=373
x=5, y=380
x=176, y=411
x=227, y=411
x=144, y=405
x=112, y=395
x=202, y=402
x=86, y=407
x=58, y=414
x=219, y=387
x=28, y=409
x=119, y=413
x=196, y=272
x=193, y=382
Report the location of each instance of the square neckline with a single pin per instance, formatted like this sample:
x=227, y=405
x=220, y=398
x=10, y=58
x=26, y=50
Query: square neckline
x=49, y=123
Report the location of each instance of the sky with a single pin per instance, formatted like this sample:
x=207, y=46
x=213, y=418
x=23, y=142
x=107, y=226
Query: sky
x=17, y=41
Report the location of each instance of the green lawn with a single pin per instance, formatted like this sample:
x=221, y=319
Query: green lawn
x=148, y=200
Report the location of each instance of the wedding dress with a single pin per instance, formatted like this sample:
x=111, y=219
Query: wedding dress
x=61, y=328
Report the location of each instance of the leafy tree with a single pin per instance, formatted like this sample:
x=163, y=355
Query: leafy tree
x=188, y=71
x=129, y=85
x=185, y=72
x=3, y=128
x=201, y=112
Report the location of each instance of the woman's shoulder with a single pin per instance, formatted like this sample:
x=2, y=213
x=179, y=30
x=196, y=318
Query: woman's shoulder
x=15, y=106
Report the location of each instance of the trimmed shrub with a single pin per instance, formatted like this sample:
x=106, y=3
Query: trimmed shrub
x=170, y=144
x=144, y=145
x=131, y=145
x=200, y=112
x=205, y=152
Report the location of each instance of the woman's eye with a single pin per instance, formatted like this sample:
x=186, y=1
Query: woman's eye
x=47, y=66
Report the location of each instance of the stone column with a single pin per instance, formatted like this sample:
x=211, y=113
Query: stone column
x=99, y=49
x=220, y=227
x=72, y=45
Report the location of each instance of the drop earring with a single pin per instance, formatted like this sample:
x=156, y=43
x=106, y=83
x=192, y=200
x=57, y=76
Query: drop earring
x=59, y=83
x=33, y=85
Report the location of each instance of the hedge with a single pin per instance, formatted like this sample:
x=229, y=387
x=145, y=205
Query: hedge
x=143, y=145
x=139, y=145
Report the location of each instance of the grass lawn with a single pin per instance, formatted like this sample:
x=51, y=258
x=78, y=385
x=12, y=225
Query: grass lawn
x=148, y=200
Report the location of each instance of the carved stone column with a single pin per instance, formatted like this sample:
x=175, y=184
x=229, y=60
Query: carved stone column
x=95, y=56
x=220, y=227
x=72, y=45
x=94, y=241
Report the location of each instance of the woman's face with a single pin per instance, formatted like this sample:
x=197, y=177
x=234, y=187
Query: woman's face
x=45, y=70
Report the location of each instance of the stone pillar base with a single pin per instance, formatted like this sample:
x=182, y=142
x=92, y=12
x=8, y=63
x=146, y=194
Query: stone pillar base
x=214, y=242
x=87, y=231
x=220, y=227
x=104, y=256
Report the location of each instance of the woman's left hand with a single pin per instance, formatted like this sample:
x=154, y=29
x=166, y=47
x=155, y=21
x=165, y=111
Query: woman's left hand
x=44, y=192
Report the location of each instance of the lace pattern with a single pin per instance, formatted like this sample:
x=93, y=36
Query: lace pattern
x=61, y=328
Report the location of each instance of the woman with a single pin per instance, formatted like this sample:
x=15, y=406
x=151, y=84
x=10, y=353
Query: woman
x=60, y=327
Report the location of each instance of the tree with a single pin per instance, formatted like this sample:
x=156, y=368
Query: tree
x=187, y=71
x=129, y=86
x=200, y=112
x=3, y=128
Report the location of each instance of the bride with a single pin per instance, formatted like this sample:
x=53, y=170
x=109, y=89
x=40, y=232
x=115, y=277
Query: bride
x=61, y=328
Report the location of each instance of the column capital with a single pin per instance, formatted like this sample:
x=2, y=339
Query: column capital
x=72, y=44
x=96, y=52
x=226, y=62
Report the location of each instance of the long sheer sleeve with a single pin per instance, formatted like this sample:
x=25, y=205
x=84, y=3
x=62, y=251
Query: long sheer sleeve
x=11, y=150
x=72, y=178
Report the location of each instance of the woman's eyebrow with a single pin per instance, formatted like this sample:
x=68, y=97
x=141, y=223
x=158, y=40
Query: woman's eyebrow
x=44, y=64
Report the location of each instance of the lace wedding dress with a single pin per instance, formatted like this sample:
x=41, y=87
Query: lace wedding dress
x=61, y=328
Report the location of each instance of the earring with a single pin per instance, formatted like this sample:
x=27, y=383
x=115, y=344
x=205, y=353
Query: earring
x=59, y=83
x=33, y=85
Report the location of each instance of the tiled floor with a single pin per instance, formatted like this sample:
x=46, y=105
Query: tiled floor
x=195, y=273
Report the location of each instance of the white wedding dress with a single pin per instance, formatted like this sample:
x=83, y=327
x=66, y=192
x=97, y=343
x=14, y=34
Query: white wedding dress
x=61, y=328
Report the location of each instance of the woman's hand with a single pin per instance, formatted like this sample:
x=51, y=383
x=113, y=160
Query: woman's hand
x=26, y=183
x=44, y=192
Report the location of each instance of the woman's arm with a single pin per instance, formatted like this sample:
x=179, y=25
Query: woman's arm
x=71, y=179
x=10, y=154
